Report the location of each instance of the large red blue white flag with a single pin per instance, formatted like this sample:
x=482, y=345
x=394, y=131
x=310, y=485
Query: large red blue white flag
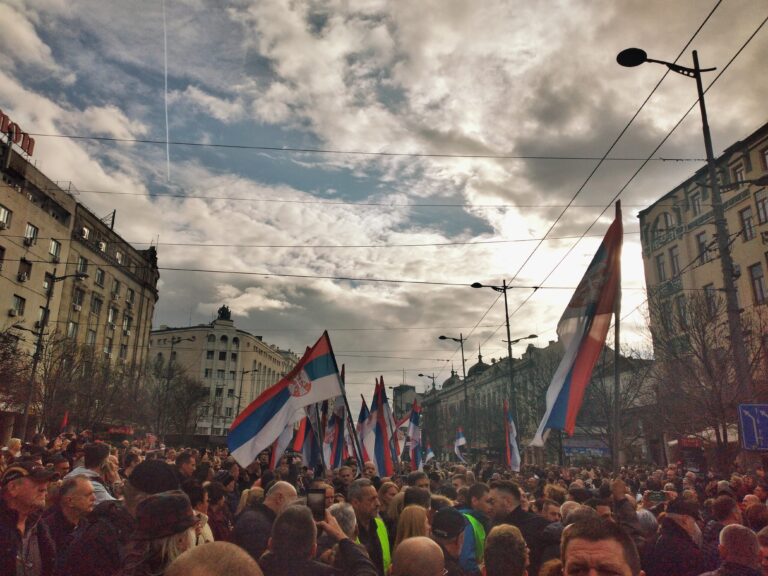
x=363, y=429
x=414, y=435
x=582, y=330
x=333, y=441
x=315, y=378
x=379, y=439
x=458, y=443
x=512, y=455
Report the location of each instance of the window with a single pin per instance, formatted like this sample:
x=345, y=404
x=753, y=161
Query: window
x=19, y=304
x=661, y=268
x=223, y=340
x=222, y=355
x=85, y=233
x=90, y=338
x=5, y=217
x=96, y=303
x=108, y=346
x=219, y=392
x=116, y=287
x=55, y=249
x=123, y=351
x=230, y=393
x=711, y=295
x=25, y=270
x=173, y=355
x=102, y=246
x=72, y=329
x=761, y=201
x=220, y=374
x=215, y=431
x=211, y=338
x=696, y=203
x=765, y=158
x=78, y=296
x=30, y=234
x=127, y=322
x=759, y=287
x=209, y=355
x=682, y=313
x=233, y=357
x=47, y=282
x=664, y=224
x=119, y=257
x=747, y=224
x=208, y=372
x=112, y=315
x=82, y=264
x=702, y=247
x=232, y=375
x=130, y=295
x=235, y=342
x=228, y=412
x=738, y=174
x=2, y=257
x=100, y=277
x=736, y=276
x=674, y=261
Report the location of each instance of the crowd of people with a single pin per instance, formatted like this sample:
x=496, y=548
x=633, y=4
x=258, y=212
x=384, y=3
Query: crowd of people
x=76, y=506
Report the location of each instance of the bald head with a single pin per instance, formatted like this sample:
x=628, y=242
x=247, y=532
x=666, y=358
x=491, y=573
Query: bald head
x=213, y=559
x=418, y=556
x=280, y=495
x=739, y=545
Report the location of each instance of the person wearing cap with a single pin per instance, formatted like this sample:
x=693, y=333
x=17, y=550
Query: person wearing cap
x=100, y=543
x=448, y=531
x=26, y=546
x=74, y=501
x=96, y=456
x=164, y=529
x=677, y=548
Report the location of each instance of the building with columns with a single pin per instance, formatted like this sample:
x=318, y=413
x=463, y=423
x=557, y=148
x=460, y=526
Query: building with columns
x=234, y=365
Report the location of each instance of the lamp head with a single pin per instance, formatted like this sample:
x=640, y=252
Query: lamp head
x=632, y=57
x=420, y=374
x=442, y=337
x=476, y=285
x=533, y=336
x=81, y=275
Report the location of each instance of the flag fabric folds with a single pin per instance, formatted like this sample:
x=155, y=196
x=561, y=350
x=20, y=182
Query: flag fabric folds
x=512, y=455
x=363, y=430
x=304, y=442
x=284, y=440
x=458, y=443
x=315, y=378
x=389, y=420
x=582, y=330
x=378, y=440
x=414, y=435
x=333, y=441
x=430, y=454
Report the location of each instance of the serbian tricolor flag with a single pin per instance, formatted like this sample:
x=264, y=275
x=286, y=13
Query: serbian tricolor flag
x=430, y=454
x=333, y=441
x=304, y=442
x=512, y=454
x=362, y=429
x=389, y=419
x=64, y=422
x=284, y=440
x=458, y=443
x=414, y=434
x=382, y=445
x=315, y=378
x=582, y=330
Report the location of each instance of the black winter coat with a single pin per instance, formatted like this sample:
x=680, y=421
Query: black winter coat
x=673, y=553
x=11, y=541
x=253, y=528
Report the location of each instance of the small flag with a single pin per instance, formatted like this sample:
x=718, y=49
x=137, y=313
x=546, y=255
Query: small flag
x=414, y=433
x=430, y=454
x=362, y=429
x=64, y=421
x=314, y=379
x=458, y=443
x=333, y=442
x=510, y=434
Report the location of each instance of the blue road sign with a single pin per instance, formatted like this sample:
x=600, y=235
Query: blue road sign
x=754, y=426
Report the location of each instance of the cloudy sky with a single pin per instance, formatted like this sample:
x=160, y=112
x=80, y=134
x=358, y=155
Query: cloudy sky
x=420, y=141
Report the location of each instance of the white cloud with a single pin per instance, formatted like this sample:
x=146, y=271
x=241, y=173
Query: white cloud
x=221, y=109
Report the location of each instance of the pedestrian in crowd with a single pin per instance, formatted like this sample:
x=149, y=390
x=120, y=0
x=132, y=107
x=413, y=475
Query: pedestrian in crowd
x=343, y=480
x=677, y=548
x=198, y=499
x=74, y=501
x=725, y=511
x=215, y=559
x=293, y=543
x=185, y=465
x=372, y=532
x=249, y=498
x=164, y=529
x=219, y=518
x=387, y=492
x=95, y=464
x=756, y=517
x=60, y=464
x=418, y=479
x=599, y=546
x=413, y=522
x=506, y=553
x=254, y=525
x=448, y=531
x=762, y=539
x=740, y=552
x=506, y=509
x=478, y=524
x=418, y=556
x=26, y=546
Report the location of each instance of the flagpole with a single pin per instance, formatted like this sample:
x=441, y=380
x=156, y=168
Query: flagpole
x=392, y=433
x=319, y=440
x=352, y=430
x=617, y=356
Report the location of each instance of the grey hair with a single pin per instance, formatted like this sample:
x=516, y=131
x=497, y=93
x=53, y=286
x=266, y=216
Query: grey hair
x=345, y=516
x=355, y=490
x=648, y=523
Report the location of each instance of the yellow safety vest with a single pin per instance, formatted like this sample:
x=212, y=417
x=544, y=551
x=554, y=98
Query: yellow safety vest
x=383, y=536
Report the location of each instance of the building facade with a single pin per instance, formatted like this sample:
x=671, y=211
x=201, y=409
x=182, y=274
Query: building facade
x=56, y=255
x=235, y=366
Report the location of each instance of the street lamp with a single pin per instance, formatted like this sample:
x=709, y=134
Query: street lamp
x=431, y=378
x=632, y=57
x=162, y=414
x=243, y=372
x=461, y=340
x=39, y=343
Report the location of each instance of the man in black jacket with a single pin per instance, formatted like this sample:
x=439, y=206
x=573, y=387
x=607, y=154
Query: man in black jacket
x=293, y=543
x=75, y=501
x=505, y=501
x=253, y=526
x=23, y=538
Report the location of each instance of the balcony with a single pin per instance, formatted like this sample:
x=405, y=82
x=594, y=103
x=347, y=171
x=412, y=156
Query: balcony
x=668, y=288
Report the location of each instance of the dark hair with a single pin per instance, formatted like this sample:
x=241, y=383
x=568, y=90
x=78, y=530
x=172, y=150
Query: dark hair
x=130, y=458
x=417, y=496
x=598, y=530
x=508, y=487
x=722, y=507
x=756, y=517
x=414, y=477
x=95, y=454
x=184, y=458
x=448, y=491
x=194, y=490
x=215, y=491
x=294, y=533
x=477, y=490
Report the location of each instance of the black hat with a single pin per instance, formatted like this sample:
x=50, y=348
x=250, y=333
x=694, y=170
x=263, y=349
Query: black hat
x=28, y=470
x=684, y=507
x=448, y=523
x=153, y=476
x=164, y=514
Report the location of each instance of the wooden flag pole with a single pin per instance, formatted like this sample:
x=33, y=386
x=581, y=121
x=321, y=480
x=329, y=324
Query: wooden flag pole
x=616, y=358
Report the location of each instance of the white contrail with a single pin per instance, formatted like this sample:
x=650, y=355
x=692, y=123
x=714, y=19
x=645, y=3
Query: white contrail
x=167, y=130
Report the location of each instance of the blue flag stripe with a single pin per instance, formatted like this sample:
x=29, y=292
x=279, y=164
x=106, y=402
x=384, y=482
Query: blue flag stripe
x=252, y=425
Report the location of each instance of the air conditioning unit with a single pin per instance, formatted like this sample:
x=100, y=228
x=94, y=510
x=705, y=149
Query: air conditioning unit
x=23, y=277
x=84, y=232
x=102, y=246
x=13, y=312
x=3, y=225
x=77, y=307
x=127, y=332
x=55, y=259
x=115, y=296
x=28, y=241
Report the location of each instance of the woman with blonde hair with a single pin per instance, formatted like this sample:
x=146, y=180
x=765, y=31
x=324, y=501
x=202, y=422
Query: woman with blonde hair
x=249, y=498
x=413, y=521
